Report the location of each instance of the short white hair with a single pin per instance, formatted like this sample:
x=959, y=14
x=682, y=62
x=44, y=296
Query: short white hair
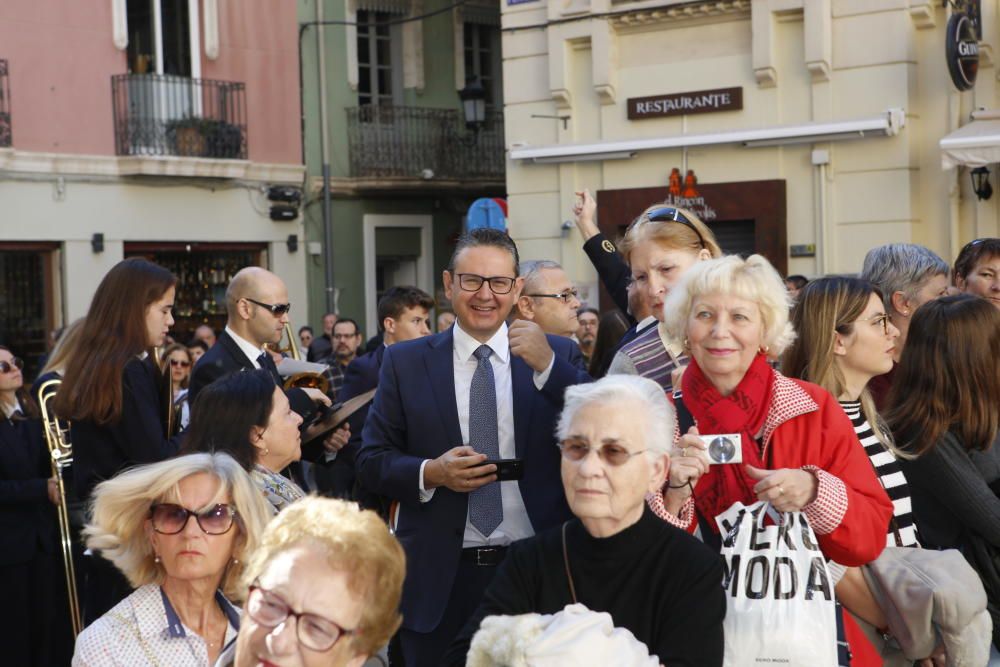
x=645, y=394
x=753, y=279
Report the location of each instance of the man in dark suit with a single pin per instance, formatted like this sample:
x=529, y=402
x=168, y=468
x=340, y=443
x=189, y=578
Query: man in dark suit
x=403, y=314
x=257, y=306
x=445, y=405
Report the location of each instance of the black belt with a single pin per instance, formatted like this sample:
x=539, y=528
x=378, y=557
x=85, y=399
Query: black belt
x=485, y=556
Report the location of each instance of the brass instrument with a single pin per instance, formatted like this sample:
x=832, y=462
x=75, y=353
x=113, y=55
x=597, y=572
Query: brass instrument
x=61, y=453
x=301, y=380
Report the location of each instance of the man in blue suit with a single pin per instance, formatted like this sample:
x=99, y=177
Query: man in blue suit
x=445, y=405
x=403, y=314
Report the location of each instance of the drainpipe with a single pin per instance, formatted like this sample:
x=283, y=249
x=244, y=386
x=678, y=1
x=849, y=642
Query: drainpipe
x=331, y=296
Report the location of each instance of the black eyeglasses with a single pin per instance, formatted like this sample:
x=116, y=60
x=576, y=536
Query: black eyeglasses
x=8, y=366
x=170, y=519
x=562, y=296
x=615, y=455
x=671, y=214
x=314, y=632
x=277, y=309
x=470, y=282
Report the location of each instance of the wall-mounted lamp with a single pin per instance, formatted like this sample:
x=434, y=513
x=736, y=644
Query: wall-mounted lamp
x=473, y=98
x=292, y=243
x=981, y=183
x=97, y=242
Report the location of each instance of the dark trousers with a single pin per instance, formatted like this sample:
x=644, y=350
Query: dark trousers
x=426, y=649
x=104, y=586
x=35, y=613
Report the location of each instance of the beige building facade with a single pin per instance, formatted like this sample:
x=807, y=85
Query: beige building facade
x=818, y=137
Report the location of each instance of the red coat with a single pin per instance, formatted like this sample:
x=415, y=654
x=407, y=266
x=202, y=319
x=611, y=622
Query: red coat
x=806, y=428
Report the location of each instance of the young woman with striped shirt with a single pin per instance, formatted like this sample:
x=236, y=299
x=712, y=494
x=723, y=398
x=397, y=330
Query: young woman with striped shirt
x=845, y=339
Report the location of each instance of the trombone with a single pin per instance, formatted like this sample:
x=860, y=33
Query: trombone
x=61, y=452
x=301, y=380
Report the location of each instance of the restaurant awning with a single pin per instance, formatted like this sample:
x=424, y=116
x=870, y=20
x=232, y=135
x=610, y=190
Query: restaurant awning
x=976, y=144
x=886, y=124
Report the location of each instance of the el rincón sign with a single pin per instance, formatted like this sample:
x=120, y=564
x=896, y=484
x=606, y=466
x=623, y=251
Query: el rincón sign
x=677, y=104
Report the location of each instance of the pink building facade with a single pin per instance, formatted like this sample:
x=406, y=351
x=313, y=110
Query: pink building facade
x=144, y=127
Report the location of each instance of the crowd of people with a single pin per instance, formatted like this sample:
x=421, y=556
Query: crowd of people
x=538, y=482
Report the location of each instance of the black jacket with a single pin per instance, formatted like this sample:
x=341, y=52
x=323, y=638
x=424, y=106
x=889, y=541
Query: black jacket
x=27, y=518
x=100, y=452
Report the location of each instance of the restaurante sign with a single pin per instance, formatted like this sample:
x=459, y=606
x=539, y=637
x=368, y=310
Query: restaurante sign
x=677, y=104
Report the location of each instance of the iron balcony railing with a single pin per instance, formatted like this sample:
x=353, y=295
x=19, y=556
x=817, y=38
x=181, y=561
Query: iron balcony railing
x=414, y=142
x=5, y=134
x=174, y=115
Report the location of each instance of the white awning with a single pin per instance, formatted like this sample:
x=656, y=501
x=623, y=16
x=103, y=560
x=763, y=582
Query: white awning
x=886, y=124
x=974, y=145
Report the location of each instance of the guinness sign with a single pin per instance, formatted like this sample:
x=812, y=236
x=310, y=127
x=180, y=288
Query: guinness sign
x=962, y=51
x=678, y=104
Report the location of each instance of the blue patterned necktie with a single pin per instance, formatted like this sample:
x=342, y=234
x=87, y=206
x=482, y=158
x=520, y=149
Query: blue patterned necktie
x=485, y=503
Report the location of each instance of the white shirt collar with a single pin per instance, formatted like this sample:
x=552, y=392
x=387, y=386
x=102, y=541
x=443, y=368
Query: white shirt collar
x=10, y=408
x=248, y=348
x=466, y=345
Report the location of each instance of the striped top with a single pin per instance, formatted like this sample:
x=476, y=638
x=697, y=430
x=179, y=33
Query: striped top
x=891, y=475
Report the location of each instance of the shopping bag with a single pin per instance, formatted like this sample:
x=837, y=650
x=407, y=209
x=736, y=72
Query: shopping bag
x=780, y=599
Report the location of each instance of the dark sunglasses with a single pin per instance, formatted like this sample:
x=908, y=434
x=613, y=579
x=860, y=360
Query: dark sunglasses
x=179, y=362
x=671, y=214
x=170, y=519
x=615, y=455
x=8, y=366
x=277, y=309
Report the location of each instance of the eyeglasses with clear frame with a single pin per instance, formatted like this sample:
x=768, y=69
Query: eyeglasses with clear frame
x=276, y=309
x=313, y=631
x=170, y=518
x=470, y=282
x=882, y=319
x=8, y=366
x=562, y=296
x=577, y=449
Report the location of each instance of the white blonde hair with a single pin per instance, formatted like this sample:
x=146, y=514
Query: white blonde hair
x=121, y=506
x=753, y=279
x=644, y=393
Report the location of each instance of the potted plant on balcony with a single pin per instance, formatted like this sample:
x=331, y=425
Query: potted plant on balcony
x=187, y=136
x=223, y=139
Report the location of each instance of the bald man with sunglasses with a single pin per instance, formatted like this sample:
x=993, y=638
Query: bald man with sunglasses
x=257, y=306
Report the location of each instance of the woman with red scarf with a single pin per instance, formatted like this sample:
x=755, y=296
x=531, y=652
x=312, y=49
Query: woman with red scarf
x=800, y=452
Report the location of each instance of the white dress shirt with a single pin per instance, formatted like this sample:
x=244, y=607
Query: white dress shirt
x=515, y=525
x=248, y=348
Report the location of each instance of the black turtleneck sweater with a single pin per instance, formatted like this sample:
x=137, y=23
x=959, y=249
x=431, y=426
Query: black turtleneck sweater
x=657, y=581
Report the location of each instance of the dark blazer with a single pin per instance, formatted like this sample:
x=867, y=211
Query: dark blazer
x=414, y=417
x=102, y=451
x=226, y=357
x=336, y=478
x=612, y=269
x=27, y=518
x=320, y=348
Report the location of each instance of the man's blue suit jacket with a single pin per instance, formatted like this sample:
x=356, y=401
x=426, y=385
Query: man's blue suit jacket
x=414, y=417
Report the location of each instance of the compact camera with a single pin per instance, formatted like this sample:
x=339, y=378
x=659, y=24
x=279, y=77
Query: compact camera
x=724, y=447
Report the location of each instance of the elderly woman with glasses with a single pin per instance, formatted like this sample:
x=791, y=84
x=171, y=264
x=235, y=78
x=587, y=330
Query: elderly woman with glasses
x=616, y=556
x=660, y=246
x=179, y=530
x=324, y=589
x=800, y=452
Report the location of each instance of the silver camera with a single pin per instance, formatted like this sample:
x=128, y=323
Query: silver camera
x=724, y=447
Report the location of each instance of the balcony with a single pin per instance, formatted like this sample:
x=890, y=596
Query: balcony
x=164, y=115
x=424, y=147
x=5, y=135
